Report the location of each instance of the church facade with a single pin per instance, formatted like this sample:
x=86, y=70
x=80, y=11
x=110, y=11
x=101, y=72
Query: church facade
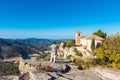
x=86, y=41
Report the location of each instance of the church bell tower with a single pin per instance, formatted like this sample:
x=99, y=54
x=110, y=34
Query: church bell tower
x=78, y=36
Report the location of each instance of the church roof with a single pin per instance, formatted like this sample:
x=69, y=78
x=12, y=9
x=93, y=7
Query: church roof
x=93, y=37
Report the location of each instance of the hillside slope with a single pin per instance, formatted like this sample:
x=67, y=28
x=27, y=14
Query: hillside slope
x=23, y=47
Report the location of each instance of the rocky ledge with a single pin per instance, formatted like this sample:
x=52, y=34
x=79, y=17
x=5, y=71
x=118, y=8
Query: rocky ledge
x=61, y=70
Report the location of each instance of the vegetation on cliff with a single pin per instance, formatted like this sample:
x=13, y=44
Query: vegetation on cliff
x=107, y=55
x=109, y=52
x=69, y=44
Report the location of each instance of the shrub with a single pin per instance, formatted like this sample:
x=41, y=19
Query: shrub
x=97, y=61
x=69, y=56
x=80, y=67
x=109, y=52
x=79, y=64
x=78, y=53
x=70, y=43
x=85, y=63
x=64, y=45
x=42, y=56
x=47, y=57
x=93, y=45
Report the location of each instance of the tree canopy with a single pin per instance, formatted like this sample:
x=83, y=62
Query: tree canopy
x=93, y=44
x=109, y=52
x=100, y=33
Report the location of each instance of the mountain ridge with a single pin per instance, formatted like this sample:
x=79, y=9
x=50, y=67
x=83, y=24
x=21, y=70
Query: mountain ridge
x=17, y=47
x=23, y=47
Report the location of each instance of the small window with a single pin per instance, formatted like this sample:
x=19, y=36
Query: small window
x=78, y=34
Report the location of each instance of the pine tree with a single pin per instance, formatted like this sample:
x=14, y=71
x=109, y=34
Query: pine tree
x=93, y=44
x=100, y=33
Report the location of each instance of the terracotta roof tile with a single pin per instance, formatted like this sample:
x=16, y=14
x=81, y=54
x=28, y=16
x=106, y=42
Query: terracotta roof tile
x=93, y=37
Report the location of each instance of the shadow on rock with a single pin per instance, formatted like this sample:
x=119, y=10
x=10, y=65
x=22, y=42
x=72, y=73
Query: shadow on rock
x=52, y=77
x=67, y=69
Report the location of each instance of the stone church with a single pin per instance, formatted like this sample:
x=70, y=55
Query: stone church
x=87, y=40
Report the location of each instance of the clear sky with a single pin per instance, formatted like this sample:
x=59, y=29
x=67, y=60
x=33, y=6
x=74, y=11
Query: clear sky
x=57, y=18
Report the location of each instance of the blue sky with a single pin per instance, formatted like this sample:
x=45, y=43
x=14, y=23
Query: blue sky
x=56, y=19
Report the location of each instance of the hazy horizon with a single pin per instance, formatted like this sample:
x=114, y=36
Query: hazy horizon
x=39, y=38
x=57, y=19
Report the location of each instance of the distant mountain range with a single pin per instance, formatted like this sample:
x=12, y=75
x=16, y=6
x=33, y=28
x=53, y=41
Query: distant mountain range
x=23, y=47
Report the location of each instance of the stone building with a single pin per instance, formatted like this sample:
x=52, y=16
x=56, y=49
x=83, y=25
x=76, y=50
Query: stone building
x=86, y=41
x=78, y=37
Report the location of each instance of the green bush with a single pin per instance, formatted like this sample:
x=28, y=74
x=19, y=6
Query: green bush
x=109, y=52
x=79, y=66
x=70, y=43
x=64, y=45
x=78, y=53
x=47, y=57
x=97, y=61
x=42, y=56
x=118, y=65
x=69, y=56
x=85, y=63
x=93, y=45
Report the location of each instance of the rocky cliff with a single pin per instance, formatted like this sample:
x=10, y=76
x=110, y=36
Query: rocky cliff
x=72, y=51
x=61, y=70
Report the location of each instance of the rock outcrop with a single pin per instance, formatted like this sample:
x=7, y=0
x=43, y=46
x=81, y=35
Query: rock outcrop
x=9, y=78
x=71, y=51
x=61, y=70
x=24, y=67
